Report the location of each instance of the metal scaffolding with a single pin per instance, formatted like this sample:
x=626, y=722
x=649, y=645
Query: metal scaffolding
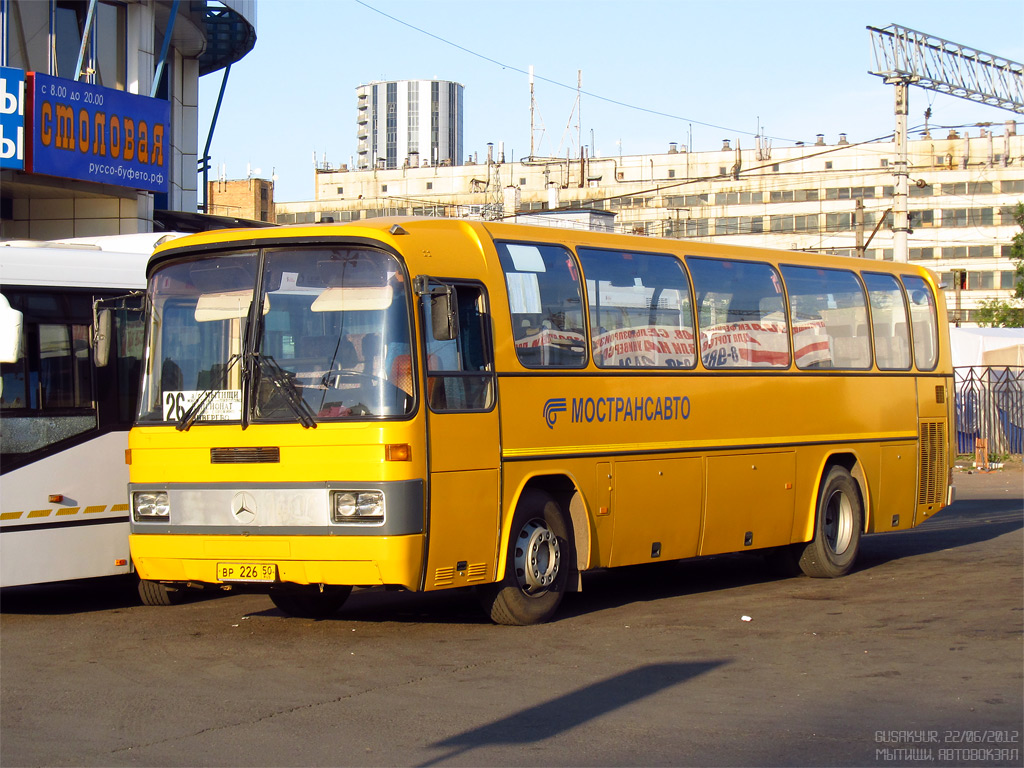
x=940, y=65
x=905, y=57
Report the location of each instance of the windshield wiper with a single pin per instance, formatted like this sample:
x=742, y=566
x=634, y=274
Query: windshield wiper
x=280, y=379
x=201, y=403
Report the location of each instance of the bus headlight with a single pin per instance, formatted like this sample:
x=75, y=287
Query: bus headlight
x=151, y=505
x=357, y=506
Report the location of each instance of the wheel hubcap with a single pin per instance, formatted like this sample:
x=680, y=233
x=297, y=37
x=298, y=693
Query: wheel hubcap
x=537, y=557
x=838, y=522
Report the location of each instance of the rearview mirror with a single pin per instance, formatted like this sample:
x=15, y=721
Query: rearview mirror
x=102, y=321
x=444, y=315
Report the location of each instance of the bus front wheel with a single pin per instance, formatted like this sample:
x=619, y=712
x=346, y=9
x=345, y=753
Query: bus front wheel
x=158, y=593
x=837, y=529
x=311, y=602
x=536, y=566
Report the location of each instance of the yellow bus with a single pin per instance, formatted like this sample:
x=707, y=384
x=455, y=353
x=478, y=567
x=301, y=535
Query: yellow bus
x=431, y=404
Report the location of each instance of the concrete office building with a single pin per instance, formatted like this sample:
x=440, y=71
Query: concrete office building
x=409, y=123
x=113, y=134
x=829, y=197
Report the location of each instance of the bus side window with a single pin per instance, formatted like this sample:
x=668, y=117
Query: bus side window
x=889, y=321
x=829, y=315
x=924, y=323
x=48, y=393
x=740, y=322
x=640, y=310
x=546, y=304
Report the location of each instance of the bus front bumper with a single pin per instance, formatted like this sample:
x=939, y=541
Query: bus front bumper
x=357, y=561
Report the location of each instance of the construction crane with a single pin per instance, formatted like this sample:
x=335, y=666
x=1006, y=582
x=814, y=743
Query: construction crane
x=906, y=57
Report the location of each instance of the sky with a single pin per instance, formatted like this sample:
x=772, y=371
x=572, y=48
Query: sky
x=651, y=71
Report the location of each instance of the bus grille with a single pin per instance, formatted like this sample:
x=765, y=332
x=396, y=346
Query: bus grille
x=258, y=455
x=933, y=463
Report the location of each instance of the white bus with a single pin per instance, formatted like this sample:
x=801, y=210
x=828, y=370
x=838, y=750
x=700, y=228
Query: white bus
x=64, y=415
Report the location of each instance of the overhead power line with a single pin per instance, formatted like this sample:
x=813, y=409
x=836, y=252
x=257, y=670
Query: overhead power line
x=567, y=86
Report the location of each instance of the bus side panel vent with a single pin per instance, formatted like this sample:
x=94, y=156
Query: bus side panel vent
x=476, y=572
x=933, y=462
x=253, y=455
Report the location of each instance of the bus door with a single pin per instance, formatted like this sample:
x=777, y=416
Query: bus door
x=462, y=434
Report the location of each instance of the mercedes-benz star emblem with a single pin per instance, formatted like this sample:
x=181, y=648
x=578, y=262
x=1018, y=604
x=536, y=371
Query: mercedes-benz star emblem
x=243, y=507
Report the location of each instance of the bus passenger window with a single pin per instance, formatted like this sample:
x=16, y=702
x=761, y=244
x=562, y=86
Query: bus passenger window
x=640, y=310
x=924, y=322
x=889, y=321
x=829, y=316
x=742, y=317
x=546, y=304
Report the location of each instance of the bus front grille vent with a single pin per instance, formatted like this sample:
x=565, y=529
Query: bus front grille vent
x=254, y=455
x=933, y=462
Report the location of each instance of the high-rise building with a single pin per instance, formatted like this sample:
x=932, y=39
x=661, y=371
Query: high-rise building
x=409, y=123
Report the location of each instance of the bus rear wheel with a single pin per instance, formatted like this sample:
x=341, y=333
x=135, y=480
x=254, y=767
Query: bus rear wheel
x=157, y=593
x=837, y=528
x=309, y=602
x=536, y=566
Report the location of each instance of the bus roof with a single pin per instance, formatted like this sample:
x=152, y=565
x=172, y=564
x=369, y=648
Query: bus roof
x=71, y=267
x=390, y=230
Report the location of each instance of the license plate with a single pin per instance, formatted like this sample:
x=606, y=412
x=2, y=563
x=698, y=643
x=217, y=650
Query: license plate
x=246, y=572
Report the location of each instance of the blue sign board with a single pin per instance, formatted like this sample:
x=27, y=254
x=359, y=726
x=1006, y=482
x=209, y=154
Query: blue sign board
x=83, y=131
x=12, y=118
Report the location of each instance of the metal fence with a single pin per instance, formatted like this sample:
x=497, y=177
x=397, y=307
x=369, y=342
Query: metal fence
x=990, y=405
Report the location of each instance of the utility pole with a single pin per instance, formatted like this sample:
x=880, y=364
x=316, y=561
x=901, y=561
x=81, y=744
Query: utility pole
x=906, y=57
x=901, y=188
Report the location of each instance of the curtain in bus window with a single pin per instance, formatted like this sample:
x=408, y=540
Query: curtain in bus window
x=924, y=322
x=640, y=310
x=741, y=314
x=889, y=322
x=829, y=317
x=546, y=303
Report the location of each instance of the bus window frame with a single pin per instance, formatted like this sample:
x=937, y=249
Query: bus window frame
x=934, y=306
x=589, y=321
x=112, y=407
x=584, y=317
x=867, y=316
x=487, y=333
x=906, y=315
x=783, y=293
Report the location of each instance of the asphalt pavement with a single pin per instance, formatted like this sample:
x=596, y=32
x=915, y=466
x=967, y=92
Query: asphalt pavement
x=915, y=657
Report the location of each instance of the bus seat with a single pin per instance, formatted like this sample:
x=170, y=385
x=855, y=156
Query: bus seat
x=401, y=373
x=850, y=352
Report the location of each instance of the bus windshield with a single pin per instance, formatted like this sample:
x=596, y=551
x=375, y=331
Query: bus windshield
x=327, y=340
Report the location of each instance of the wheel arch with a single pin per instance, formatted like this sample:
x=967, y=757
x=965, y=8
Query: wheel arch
x=852, y=463
x=564, y=489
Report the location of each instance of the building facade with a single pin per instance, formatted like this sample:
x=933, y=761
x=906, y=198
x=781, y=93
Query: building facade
x=834, y=198
x=250, y=198
x=100, y=109
x=409, y=123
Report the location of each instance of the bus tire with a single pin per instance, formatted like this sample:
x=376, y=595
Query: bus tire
x=538, y=563
x=157, y=593
x=838, y=524
x=310, y=603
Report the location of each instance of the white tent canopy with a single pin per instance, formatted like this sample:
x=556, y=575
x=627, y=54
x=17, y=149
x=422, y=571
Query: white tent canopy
x=987, y=346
